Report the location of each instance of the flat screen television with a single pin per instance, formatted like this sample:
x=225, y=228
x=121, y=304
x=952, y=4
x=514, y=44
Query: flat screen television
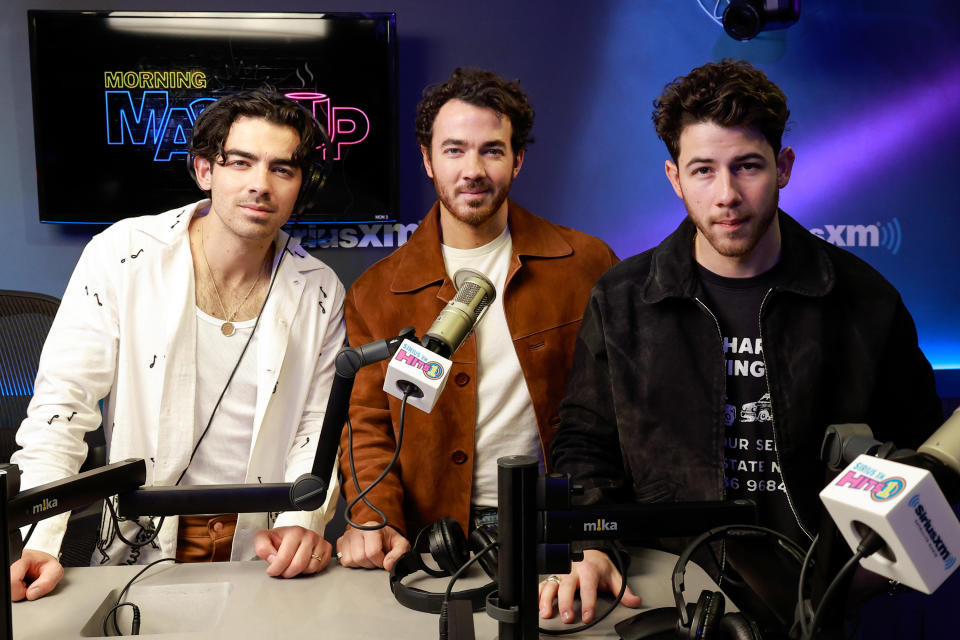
x=115, y=94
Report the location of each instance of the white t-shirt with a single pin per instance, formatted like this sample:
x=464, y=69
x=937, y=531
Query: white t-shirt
x=506, y=423
x=225, y=451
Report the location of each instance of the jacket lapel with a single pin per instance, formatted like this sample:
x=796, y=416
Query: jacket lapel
x=174, y=283
x=273, y=334
x=421, y=263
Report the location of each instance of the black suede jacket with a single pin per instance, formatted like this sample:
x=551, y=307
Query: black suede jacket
x=643, y=416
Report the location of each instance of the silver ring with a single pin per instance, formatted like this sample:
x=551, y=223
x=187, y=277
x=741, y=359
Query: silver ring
x=339, y=556
x=553, y=579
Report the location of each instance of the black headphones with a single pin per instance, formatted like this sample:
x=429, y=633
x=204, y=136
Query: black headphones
x=450, y=549
x=706, y=618
x=316, y=172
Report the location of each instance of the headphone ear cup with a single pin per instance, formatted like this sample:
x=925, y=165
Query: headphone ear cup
x=316, y=174
x=310, y=186
x=448, y=545
x=706, y=615
x=736, y=626
x=480, y=538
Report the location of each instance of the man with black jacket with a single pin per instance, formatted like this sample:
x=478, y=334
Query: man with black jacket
x=711, y=365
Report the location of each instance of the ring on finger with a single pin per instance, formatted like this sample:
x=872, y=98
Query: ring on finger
x=315, y=556
x=553, y=579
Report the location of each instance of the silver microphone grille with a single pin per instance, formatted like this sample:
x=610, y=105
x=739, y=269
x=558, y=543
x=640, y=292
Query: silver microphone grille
x=468, y=292
x=474, y=291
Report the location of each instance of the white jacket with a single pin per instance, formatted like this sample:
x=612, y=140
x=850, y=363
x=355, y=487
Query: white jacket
x=126, y=332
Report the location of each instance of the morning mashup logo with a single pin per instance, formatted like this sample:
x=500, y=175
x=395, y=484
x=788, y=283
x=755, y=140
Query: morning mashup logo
x=884, y=235
x=157, y=110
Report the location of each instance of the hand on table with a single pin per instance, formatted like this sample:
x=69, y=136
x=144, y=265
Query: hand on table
x=291, y=551
x=34, y=575
x=595, y=571
x=371, y=549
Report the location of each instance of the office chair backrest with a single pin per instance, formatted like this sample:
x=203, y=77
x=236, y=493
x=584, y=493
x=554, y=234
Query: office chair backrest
x=25, y=320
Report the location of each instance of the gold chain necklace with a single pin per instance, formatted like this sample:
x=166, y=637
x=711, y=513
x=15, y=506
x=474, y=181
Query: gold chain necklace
x=227, y=328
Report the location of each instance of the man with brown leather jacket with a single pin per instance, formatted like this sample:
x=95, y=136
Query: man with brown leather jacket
x=507, y=380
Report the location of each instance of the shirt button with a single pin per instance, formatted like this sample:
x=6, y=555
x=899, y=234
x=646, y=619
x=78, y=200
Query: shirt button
x=217, y=527
x=459, y=457
x=461, y=379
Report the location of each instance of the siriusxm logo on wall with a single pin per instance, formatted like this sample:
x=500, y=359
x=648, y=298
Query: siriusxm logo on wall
x=356, y=236
x=883, y=235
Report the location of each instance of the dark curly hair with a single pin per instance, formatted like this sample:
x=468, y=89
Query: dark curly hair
x=213, y=125
x=730, y=93
x=481, y=89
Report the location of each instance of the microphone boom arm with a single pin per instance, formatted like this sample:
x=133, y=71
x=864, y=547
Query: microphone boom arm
x=348, y=362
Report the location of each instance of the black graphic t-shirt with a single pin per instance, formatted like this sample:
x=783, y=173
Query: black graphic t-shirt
x=750, y=463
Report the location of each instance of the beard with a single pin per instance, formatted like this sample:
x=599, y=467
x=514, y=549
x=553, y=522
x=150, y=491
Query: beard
x=475, y=212
x=740, y=242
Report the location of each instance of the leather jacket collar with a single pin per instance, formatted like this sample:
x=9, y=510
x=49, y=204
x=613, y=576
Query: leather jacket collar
x=422, y=265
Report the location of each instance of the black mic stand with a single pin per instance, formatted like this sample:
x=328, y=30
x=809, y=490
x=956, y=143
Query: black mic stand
x=536, y=525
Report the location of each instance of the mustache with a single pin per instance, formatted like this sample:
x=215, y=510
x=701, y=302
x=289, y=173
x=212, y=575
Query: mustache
x=480, y=184
x=260, y=202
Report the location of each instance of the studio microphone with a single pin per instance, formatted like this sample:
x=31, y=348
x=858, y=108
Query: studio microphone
x=905, y=505
x=475, y=294
x=423, y=369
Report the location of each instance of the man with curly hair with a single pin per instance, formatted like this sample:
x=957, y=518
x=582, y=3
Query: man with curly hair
x=209, y=335
x=508, y=378
x=708, y=367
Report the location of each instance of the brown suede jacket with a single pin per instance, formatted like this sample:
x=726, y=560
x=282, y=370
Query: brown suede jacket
x=552, y=272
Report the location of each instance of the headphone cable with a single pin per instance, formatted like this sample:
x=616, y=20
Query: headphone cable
x=123, y=592
x=801, y=613
x=362, y=495
x=870, y=544
x=453, y=578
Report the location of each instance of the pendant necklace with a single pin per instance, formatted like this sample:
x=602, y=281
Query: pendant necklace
x=227, y=328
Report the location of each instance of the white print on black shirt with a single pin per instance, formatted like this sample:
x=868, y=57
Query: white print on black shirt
x=750, y=463
x=759, y=411
x=744, y=366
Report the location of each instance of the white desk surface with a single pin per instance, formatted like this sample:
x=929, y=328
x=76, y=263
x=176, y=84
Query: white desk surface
x=238, y=600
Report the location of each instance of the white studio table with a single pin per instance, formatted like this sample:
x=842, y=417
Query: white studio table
x=238, y=600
